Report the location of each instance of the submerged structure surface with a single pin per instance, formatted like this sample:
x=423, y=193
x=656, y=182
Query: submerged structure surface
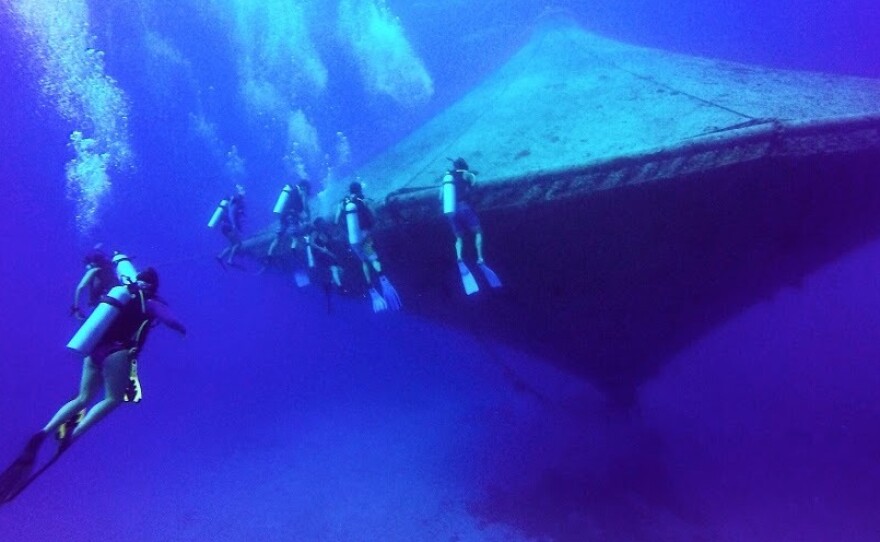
x=631, y=198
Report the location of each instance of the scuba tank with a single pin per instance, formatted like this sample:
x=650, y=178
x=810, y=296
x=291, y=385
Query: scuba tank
x=283, y=198
x=448, y=194
x=125, y=271
x=97, y=324
x=352, y=223
x=310, y=256
x=218, y=213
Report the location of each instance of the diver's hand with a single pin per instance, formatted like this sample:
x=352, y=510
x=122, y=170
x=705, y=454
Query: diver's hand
x=75, y=312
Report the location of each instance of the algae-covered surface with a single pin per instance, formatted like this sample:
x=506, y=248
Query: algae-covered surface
x=570, y=99
x=632, y=199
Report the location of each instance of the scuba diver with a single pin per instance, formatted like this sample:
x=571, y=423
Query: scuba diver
x=359, y=223
x=292, y=208
x=455, y=194
x=110, y=340
x=229, y=215
x=293, y=212
x=99, y=277
x=321, y=252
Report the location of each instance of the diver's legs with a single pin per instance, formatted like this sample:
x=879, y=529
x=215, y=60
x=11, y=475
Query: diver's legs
x=273, y=245
x=478, y=243
x=366, y=267
x=458, y=246
x=228, y=253
x=335, y=273
x=117, y=368
x=87, y=387
x=232, y=250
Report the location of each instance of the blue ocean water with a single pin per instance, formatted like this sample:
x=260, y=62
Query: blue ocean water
x=276, y=420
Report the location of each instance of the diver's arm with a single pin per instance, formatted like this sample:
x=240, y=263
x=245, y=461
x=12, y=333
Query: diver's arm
x=163, y=315
x=338, y=213
x=89, y=275
x=322, y=249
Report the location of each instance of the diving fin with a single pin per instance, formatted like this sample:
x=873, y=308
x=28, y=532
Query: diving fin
x=18, y=475
x=379, y=303
x=467, y=279
x=392, y=299
x=490, y=275
x=25, y=478
x=301, y=278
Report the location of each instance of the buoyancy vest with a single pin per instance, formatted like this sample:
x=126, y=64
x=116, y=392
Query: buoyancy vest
x=236, y=203
x=129, y=329
x=463, y=182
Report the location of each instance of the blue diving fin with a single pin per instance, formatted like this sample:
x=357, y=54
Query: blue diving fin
x=379, y=303
x=490, y=275
x=467, y=279
x=301, y=278
x=392, y=299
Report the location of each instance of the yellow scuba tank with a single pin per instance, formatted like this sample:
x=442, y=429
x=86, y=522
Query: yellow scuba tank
x=283, y=198
x=125, y=271
x=218, y=213
x=448, y=194
x=88, y=335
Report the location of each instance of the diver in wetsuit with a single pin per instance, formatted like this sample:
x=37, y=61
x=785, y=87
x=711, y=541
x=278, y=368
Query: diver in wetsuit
x=293, y=214
x=359, y=224
x=323, y=253
x=455, y=193
x=110, y=363
x=231, y=222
